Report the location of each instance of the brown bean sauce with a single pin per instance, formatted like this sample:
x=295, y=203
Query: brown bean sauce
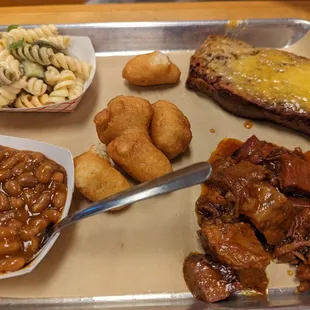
x=33, y=193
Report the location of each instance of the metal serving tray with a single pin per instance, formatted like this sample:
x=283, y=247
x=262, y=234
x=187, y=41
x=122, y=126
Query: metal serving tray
x=123, y=39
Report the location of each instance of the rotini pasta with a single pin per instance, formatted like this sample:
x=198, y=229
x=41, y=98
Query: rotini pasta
x=7, y=76
x=8, y=93
x=62, y=42
x=82, y=68
x=77, y=89
x=46, y=56
x=29, y=101
x=59, y=95
x=52, y=76
x=31, y=35
x=3, y=44
x=66, y=80
x=33, y=74
x=36, y=87
x=34, y=53
x=9, y=68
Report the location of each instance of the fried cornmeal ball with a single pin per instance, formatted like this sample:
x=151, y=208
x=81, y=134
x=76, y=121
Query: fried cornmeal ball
x=170, y=129
x=95, y=177
x=123, y=112
x=134, y=152
x=151, y=69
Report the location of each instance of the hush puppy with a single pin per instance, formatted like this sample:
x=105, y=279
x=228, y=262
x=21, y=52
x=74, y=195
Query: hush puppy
x=134, y=152
x=170, y=129
x=95, y=177
x=151, y=69
x=122, y=112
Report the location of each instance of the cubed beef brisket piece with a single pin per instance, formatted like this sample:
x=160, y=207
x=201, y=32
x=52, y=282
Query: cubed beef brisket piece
x=249, y=147
x=218, y=168
x=253, y=279
x=261, y=187
x=212, y=208
x=296, y=243
x=237, y=255
x=298, y=202
x=234, y=245
x=294, y=247
x=208, y=281
x=257, y=152
x=303, y=272
x=303, y=287
x=294, y=174
x=288, y=258
x=267, y=209
x=300, y=228
x=233, y=177
x=262, y=153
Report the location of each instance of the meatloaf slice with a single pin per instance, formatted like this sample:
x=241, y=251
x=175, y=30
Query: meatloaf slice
x=256, y=83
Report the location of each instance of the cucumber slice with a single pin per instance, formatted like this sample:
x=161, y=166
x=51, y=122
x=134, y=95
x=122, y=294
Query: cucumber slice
x=32, y=69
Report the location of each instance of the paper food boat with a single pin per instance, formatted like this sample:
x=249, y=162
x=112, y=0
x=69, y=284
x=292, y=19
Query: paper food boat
x=82, y=48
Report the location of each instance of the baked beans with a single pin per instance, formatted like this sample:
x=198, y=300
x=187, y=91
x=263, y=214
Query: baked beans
x=33, y=193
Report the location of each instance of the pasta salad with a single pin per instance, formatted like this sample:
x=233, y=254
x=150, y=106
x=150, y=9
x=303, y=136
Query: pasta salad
x=36, y=70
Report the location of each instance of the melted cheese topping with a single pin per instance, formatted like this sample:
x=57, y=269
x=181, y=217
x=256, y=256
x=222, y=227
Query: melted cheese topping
x=273, y=77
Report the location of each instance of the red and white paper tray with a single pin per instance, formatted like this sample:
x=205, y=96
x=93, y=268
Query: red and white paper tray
x=82, y=48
